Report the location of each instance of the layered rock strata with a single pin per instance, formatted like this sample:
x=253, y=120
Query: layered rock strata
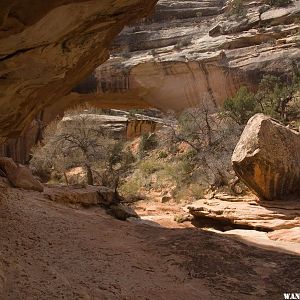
x=189, y=52
x=47, y=47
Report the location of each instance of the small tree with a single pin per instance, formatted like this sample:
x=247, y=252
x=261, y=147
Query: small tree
x=84, y=142
x=76, y=141
x=148, y=142
x=207, y=133
x=236, y=8
x=241, y=106
x=274, y=97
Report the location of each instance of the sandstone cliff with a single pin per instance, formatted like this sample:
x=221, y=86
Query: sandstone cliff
x=47, y=47
x=186, y=52
x=190, y=50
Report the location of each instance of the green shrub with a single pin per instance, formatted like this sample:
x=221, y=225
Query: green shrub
x=189, y=155
x=178, y=172
x=241, y=106
x=115, y=155
x=162, y=154
x=197, y=191
x=275, y=97
x=131, y=187
x=128, y=157
x=150, y=166
x=184, y=42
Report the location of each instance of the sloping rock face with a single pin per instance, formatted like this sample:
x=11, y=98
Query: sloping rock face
x=49, y=251
x=193, y=51
x=243, y=212
x=267, y=159
x=88, y=196
x=270, y=224
x=19, y=176
x=47, y=47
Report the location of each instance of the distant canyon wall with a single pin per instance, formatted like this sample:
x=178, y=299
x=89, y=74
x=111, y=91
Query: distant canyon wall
x=171, y=85
x=188, y=51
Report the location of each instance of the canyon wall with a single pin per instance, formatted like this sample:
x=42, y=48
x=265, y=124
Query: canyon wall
x=183, y=54
x=47, y=47
x=189, y=52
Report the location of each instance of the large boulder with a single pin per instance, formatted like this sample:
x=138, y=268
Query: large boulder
x=267, y=159
x=19, y=176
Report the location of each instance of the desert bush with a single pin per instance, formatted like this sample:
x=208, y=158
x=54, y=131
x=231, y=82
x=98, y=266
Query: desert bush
x=116, y=154
x=153, y=52
x=274, y=97
x=241, y=106
x=162, y=154
x=149, y=166
x=207, y=140
x=199, y=128
x=184, y=42
x=277, y=29
x=293, y=110
x=178, y=172
x=131, y=187
x=148, y=142
x=81, y=143
x=279, y=3
x=236, y=9
x=197, y=191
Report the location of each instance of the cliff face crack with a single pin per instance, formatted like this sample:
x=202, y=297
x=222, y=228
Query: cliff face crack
x=203, y=67
x=21, y=51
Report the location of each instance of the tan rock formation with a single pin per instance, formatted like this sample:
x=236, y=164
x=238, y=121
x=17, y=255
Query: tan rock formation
x=121, y=126
x=19, y=176
x=241, y=212
x=47, y=47
x=292, y=235
x=267, y=159
x=194, y=50
x=88, y=196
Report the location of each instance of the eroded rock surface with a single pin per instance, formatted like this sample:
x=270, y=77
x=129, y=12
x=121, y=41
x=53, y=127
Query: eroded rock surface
x=50, y=251
x=242, y=212
x=120, y=125
x=267, y=159
x=292, y=235
x=193, y=51
x=88, y=196
x=47, y=47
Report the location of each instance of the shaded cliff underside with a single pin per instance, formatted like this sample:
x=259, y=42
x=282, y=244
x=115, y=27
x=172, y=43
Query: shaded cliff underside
x=47, y=47
x=48, y=251
x=188, y=51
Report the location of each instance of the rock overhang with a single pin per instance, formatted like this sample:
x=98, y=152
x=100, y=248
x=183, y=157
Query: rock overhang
x=46, y=48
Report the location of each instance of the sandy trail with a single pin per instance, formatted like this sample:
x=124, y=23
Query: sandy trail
x=49, y=251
